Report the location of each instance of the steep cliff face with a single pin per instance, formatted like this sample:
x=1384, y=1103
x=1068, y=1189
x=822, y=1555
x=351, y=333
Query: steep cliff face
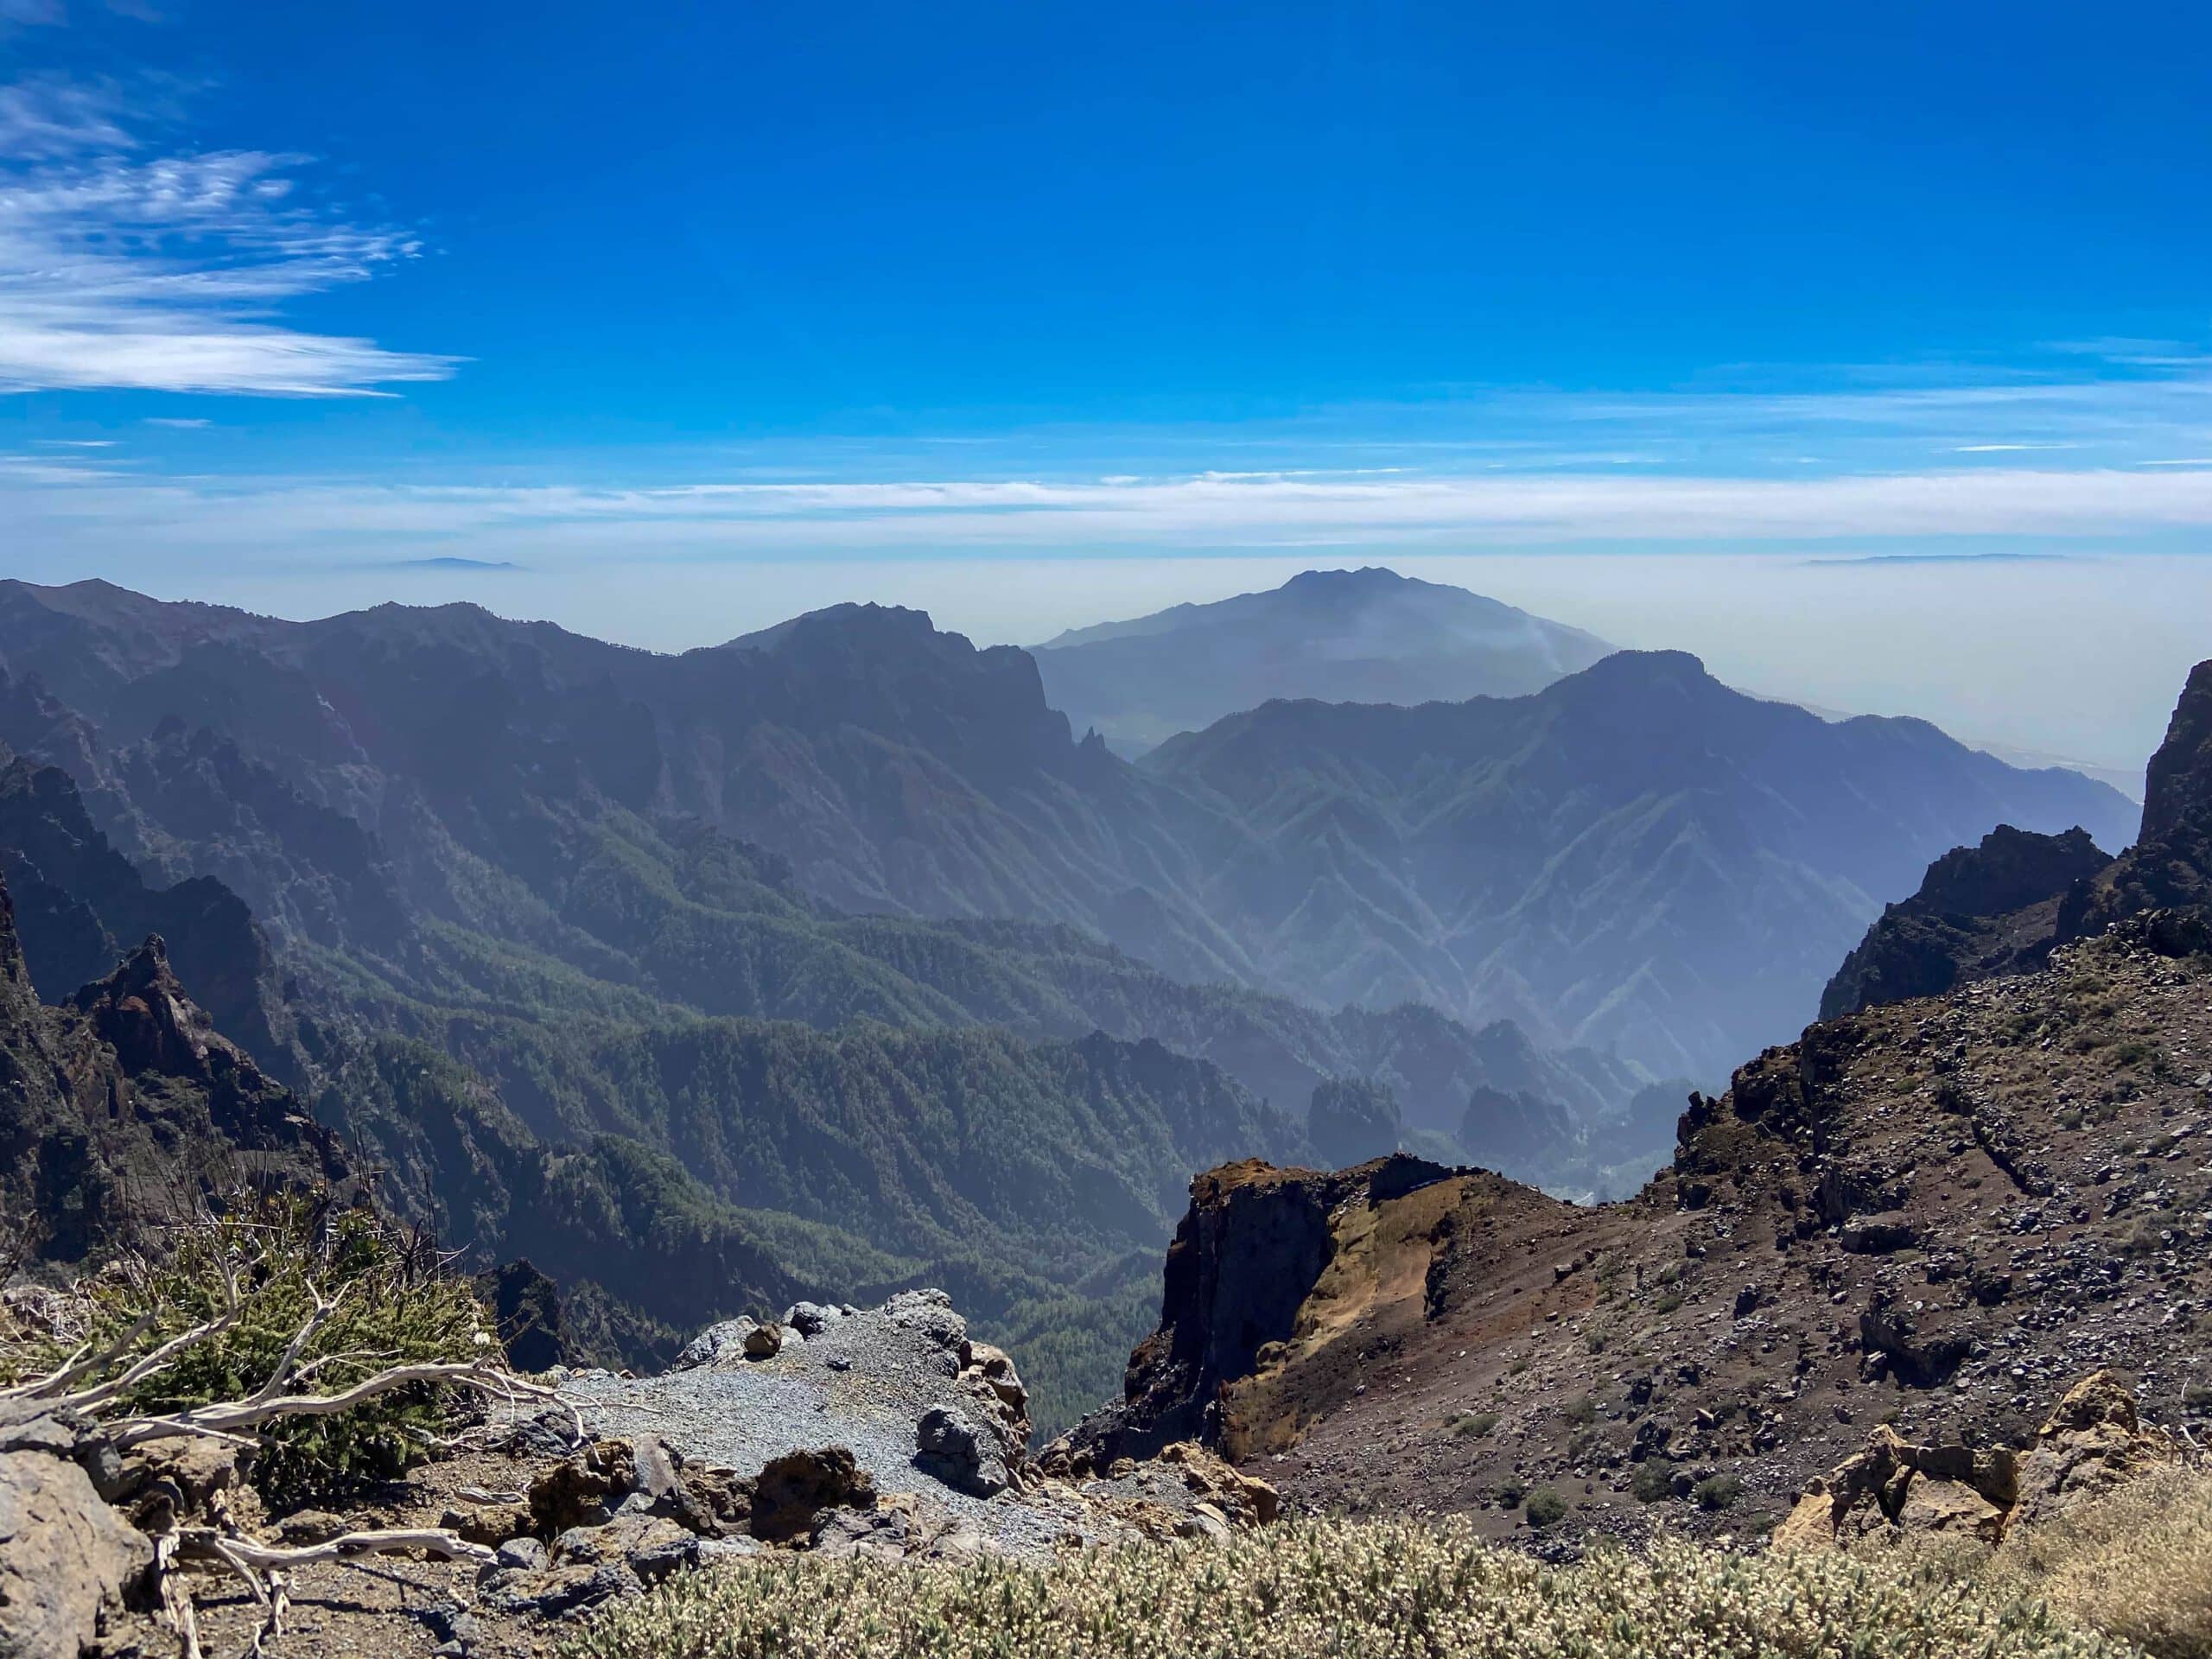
x=2169, y=867
x=81, y=904
x=1238, y=1289
x=2177, y=787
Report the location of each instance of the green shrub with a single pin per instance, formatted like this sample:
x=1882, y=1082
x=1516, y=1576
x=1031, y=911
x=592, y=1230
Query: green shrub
x=1390, y=1590
x=394, y=1302
x=1652, y=1482
x=1472, y=1425
x=1717, y=1492
x=1546, y=1508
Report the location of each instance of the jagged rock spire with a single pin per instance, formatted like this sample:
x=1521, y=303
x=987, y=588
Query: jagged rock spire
x=2177, y=787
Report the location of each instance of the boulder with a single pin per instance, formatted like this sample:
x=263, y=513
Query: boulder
x=583, y=1490
x=67, y=1559
x=1897, y=1484
x=993, y=1367
x=718, y=1344
x=1240, y=1500
x=1879, y=1235
x=764, y=1341
x=523, y=1554
x=1811, y=1522
x=711, y=1501
x=2092, y=1442
x=882, y=1534
x=950, y=1448
x=793, y=1489
x=1933, y=1505
x=198, y=1475
x=487, y=1524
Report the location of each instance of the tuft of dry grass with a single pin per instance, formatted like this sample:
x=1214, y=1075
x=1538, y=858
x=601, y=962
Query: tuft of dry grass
x=2136, y=1565
x=1386, y=1590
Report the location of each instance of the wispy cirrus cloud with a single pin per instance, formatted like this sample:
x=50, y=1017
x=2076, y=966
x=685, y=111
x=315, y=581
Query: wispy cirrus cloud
x=126, y=265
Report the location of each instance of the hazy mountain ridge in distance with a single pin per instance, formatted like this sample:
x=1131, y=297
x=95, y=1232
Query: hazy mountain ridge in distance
x=1635, y=857
x=2128, y=780
x=1338, y=636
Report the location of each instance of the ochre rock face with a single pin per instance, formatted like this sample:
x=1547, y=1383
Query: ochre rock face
x=1246, y=1260
x=2092, y=1441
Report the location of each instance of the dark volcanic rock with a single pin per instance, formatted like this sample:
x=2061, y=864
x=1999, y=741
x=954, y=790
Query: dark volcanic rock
x=2000, y=908
x=79, y=904
x=2169, y=867
x=125, y=1106
x=1980, y=911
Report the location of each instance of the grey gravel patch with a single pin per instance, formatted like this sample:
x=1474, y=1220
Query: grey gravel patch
x=864, y=1380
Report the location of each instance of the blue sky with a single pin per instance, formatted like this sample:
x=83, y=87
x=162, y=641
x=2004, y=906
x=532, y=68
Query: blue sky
x=671, y=307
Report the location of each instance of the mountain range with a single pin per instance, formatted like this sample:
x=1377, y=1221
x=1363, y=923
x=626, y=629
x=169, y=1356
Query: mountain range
x=1608, y=861
x=1636, y=858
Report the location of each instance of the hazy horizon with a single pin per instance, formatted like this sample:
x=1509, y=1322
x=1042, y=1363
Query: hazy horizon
x=1876, y=639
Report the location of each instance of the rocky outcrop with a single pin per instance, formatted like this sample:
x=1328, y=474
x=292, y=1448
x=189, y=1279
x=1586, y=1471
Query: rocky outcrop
x=2002, y=907
x=2092, y=1442
x=2095, y=1441
x=79, y=903
x=1245, y=1261
x=1980, y=911
x=124, y=1104
x=2169, y=867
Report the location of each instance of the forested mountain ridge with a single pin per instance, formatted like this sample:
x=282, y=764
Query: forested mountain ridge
x=441, y=815
x=665, y=1174
x=1636, y=857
